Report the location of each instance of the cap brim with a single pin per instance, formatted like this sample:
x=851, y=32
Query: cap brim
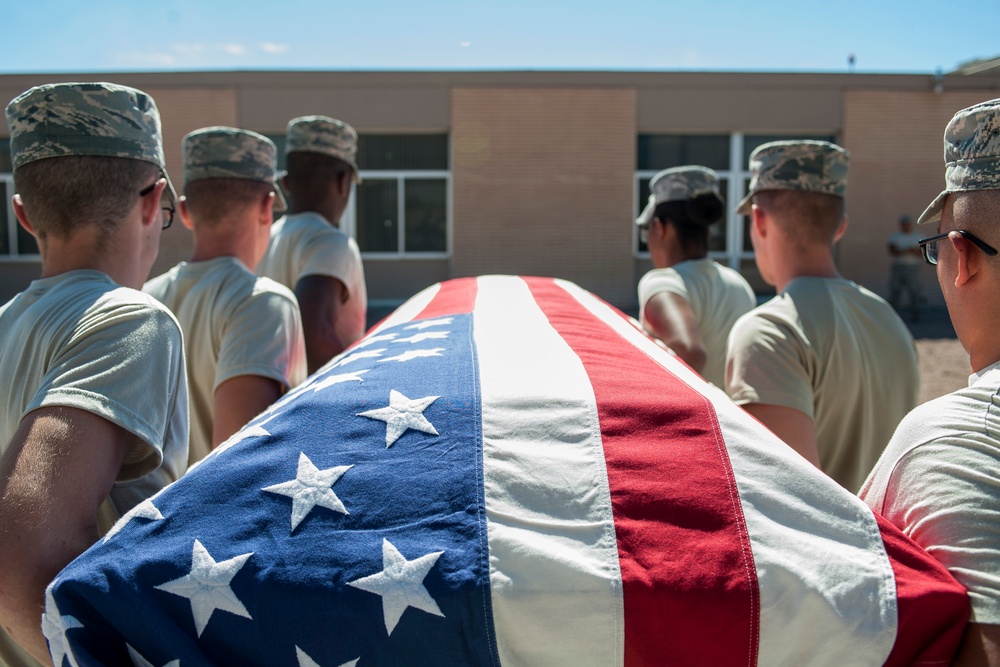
x=743, y=208
x=933, y=212
x=279, y=204
x=647, y=214
x=170, y=184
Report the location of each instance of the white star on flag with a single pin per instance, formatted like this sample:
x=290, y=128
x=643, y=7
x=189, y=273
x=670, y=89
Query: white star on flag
x=373, y=339
x=144, y=510
x=306, y=661
x=311, y=488
x=402, y=414
x=331, y=380
x=358, y=356
x=401, y=584
x=414, y=354
x=54, y=627
x=255, y=431
x=430, y=323
x=140, y=661
x=422, y=336
x=207, y=586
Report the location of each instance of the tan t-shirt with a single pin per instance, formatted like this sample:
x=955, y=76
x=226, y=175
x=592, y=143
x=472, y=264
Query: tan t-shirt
x=79, y=340
x=836, y=352
x=718, y=296
x=234, y=324
x=939, y=482
x=305, y=244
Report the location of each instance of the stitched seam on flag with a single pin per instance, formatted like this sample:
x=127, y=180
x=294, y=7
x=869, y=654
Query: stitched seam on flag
x=481, y=496
x=744, y=534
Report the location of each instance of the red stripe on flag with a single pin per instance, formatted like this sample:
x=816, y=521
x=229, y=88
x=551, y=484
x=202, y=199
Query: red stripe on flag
x=456, y=297
x=932, y=607
x=689, y=581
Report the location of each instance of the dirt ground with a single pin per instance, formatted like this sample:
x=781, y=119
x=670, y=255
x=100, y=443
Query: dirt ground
x=944, y=365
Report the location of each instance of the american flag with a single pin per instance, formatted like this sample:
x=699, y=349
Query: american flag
x=506, y=471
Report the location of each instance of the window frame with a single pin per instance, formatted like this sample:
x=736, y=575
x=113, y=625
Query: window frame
x=13, y=254
x=349, y=221
x=737, y=177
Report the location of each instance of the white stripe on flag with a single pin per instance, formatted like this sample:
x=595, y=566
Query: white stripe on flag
x=554, y=572
x=827, y=590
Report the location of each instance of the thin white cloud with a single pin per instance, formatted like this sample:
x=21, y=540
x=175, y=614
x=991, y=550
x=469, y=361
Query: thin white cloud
x=274, y=48
x=154, y=59
x=188, y=49
x=692, y=58
x=233, y=49
x=465, y=44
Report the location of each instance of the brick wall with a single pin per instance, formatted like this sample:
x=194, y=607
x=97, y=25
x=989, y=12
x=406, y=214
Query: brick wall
x=895, y=140
x=543, y=184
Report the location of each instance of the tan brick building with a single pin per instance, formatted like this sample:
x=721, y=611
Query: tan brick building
x=541, y=173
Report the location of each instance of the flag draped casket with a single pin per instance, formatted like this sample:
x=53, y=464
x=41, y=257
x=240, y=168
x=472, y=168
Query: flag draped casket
x=505, y=471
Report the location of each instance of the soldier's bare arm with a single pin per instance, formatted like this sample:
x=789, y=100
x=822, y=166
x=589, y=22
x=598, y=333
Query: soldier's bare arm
x=320, y=299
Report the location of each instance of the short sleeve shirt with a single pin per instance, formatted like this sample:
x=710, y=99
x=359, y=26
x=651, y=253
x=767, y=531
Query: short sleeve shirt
x=305, y=244
x=836, y=352
x=79, y=340
x=718, y=296
x=234, y=323
x=939, y=482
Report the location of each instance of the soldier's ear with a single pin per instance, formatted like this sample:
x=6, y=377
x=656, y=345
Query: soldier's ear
x=758, y=220
x=22, y=217
x=265, y=210
x=967, y=256
x=185, y=212
x=841, y=229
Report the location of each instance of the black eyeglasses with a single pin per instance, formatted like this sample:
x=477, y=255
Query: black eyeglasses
x=169, y=209
x=930, y=245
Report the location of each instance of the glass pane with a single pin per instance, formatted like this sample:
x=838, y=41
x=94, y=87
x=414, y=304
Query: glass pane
x=279, y=143
x=716, y=233
x=426, y=215
x=5, y=164
x=396, y=152
x=662, y=151
x=377, y=211
x=752, y=141
x=643, y=200
x=747, y=243
x=4, y=221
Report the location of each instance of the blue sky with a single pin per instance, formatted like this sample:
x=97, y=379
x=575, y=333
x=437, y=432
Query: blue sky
x=802, y=35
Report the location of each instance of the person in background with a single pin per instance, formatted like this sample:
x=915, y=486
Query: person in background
x=904, y=276
x=242, y=334
x=308, y=252
x=688, y=301
x=93, y=417
x=826, y=364
x=939, y=478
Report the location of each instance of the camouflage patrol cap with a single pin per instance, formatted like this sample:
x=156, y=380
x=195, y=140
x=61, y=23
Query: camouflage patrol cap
x=321, y=134
x=85, y=119
x=678, y=184
x=809, y=166
x=228, y=152
x=971, y=154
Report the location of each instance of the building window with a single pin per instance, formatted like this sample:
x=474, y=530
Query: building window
x=728, y=155
x=15, y=242
x=402, y=207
